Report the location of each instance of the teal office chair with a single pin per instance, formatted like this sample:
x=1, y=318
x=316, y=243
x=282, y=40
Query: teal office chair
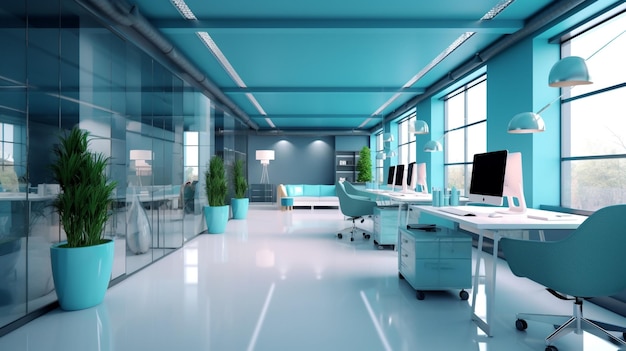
x=354, y=207
x=588, y=263
x=352, y=190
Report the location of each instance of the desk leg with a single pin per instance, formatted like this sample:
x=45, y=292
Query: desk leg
x=482, y=324
x=490, y=284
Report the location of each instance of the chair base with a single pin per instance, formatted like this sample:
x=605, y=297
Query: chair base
x=353, y=230
x=575, y=323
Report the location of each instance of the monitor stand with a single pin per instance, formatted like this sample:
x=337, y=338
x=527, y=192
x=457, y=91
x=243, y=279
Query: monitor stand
x=514, y=209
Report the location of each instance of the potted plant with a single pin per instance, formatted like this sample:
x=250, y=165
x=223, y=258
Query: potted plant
x=81, y=266
x=364, y=166
x=240, y=202
x=216, y=213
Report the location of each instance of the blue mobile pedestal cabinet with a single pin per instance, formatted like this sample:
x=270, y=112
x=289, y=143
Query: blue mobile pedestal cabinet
x=435, y=258
x=386, y=226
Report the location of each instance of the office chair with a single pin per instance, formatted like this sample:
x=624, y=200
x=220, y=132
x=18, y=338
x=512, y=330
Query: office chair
x=588, y=263
x=352, y=190
x=355, y=208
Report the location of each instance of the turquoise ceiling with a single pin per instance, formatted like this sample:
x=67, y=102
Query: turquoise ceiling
x=330, y=65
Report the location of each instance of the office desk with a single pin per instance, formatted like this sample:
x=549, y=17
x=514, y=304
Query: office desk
x=496, y=228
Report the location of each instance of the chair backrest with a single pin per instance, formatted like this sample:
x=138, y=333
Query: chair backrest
x=352, y=190
x=587, y=263
x=352, y=206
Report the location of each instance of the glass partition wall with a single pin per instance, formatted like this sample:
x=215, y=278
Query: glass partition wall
x=61, y=68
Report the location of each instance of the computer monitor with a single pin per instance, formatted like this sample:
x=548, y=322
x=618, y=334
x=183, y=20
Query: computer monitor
x=391, y=175
x=416, y=178
x=399, y=176
x=496, y=175
x=513, y=187
x=487, y=180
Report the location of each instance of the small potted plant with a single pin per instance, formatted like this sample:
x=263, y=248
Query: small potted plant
x=81, y=266
x=240, y=202
x=216, y=187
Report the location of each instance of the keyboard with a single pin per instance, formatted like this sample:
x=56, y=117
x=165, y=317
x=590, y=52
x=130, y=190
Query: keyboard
x=456, y=211
x=385, y=203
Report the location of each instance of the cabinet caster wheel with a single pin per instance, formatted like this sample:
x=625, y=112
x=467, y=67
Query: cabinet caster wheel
x=339, y=236
x=521, y=324
x=420, y=295
x=464, y=295
x=551, y=348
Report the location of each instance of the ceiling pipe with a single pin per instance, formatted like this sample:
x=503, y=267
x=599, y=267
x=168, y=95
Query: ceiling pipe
x=545, y=17
x=126, y=19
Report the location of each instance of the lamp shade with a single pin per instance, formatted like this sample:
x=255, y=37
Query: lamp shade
x=265, y=155
x=569, y=71
x=433, y=146
x=526, y=122
x=420, y=127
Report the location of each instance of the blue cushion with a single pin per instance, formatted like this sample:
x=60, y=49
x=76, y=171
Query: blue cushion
x=311, y=190
x=327, y=190
x=295, y=190
x=286, y=201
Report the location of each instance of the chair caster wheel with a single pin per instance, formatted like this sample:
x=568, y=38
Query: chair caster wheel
x=521, y=324
x=464, y=295
x=351, y=239
x=551, y=348
x=339, y=236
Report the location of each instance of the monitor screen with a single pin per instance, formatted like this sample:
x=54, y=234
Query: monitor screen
x=411, y=176
x=391, y=175
x=399, y=175
x=487, y=180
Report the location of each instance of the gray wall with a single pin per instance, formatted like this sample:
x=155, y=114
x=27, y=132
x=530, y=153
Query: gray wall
x=300, y=159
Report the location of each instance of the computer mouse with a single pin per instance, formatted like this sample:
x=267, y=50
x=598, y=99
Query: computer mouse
x=495, y=215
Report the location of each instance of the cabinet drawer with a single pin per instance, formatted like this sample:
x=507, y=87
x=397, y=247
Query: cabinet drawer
x=456, y=273
x=427, y=249
x=441, y=274
x=455, y=249
x=407, y=244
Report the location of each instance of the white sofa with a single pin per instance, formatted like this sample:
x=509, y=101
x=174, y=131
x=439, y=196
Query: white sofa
x=309, y=195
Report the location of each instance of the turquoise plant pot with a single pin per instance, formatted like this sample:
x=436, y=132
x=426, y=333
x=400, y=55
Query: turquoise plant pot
x=240, y=208
x=216, y=218
x=81, y=274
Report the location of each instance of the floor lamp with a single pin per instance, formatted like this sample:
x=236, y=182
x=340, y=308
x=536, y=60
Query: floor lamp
x=265, y=156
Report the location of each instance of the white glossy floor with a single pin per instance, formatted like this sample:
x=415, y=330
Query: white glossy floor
x=283, y=281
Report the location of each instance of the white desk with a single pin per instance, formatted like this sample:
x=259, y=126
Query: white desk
x=496, y=228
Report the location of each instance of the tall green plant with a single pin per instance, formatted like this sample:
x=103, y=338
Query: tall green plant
x=239, y=181
x=215, y=182
x=364, y=166
x=85, y=197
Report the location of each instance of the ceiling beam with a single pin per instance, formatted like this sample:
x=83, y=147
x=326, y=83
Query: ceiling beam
x=182, y=26
x=309, y=116
x=237, y=90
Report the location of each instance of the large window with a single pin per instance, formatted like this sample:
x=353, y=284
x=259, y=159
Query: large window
x=593, y=128
x=379, y=161
x=465, y=131
x=406, y=140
